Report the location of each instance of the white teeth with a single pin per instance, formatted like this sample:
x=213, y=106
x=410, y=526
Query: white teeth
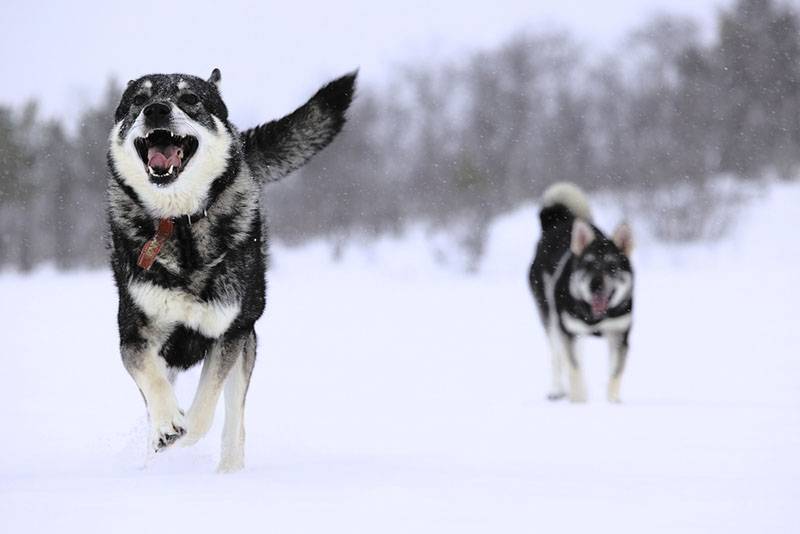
x=157, y=175
x=170, y=132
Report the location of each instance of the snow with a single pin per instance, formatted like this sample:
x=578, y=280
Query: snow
x=395, y=394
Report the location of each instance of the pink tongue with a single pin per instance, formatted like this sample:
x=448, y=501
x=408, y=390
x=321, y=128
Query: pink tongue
x=162, y=158
x=599, y=305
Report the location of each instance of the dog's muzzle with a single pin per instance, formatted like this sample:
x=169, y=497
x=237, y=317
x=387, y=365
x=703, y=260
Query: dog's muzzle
x=599, y=304
x=165, y=154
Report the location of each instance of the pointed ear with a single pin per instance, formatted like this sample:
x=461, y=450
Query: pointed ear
x=130, y=82
x=582, y=236
x=623, y=238
x=215, y=77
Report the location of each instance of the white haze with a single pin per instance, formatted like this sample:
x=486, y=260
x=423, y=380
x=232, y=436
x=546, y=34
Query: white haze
x=274, y=54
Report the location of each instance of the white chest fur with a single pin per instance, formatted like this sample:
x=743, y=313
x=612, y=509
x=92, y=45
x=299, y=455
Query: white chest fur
x=606, y=326
x=167, y=307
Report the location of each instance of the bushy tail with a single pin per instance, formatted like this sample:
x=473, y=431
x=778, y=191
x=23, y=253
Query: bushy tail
x=569, y=195
x=561, y=203
x=277, y=148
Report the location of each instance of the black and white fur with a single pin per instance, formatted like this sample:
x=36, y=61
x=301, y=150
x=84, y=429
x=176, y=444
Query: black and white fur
x=583, y=285
x=201, y=298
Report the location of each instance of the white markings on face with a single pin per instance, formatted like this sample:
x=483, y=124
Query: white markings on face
x=188, y=193
x=167, y=307
x=618, y=286
x=614, y=324
x=622, y=284
x=182, y=85
x=147, y=84
x=579, y=286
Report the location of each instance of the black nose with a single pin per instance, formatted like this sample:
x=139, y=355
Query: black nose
x=156, y=111
x=596, y=283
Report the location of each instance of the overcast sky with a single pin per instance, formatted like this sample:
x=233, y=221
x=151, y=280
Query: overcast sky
x=273, y=55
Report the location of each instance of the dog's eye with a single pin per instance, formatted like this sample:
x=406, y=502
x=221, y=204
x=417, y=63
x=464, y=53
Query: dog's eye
x=190, y=99
x=139, y=99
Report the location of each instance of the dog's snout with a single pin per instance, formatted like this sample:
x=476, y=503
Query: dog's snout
x=596, y=283
x=157, y=110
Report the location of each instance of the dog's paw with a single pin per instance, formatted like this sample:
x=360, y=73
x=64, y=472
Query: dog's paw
x=193, y=432
x=230, y=463
x=577, y=397
x=613, y=391
x=556, y=396
x=230, y=467
x=198, y=423
x=191, y=437
x=167, y=432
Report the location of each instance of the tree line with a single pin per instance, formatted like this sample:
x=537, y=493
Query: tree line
x=454, y=146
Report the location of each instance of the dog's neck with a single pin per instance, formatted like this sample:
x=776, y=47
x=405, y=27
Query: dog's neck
x=164, y=229
x=191, y=219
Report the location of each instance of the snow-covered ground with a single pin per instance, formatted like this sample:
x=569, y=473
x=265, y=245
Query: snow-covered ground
x=393, y=394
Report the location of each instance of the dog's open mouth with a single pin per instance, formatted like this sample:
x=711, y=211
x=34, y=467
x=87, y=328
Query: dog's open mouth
x=165, y=154
x=599, y=305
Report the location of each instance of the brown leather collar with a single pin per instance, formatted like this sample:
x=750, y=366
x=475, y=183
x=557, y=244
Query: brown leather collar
x=147, y=256
x=153, y=246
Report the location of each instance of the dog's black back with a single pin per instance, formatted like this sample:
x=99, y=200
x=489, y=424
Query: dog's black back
x=556, y=222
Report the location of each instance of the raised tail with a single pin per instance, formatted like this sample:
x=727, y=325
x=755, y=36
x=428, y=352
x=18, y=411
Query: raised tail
x=561, y=203
x=277, y=148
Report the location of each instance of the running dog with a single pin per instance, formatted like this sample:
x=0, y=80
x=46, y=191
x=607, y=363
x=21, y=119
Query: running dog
x=583, y=285
x=189, y=245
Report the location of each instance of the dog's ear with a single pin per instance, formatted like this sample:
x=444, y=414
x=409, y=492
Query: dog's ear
x=582, y=236
x=623, y=238
x=215, y=77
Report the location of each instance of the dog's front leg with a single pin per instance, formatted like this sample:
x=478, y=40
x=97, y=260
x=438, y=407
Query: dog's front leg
x=149, y=371
x=557, y=357
x=216, y=366
x=577, y=389
x=618, y=352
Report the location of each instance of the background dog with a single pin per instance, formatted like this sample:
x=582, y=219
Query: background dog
x=189, y=247
x=583, y=285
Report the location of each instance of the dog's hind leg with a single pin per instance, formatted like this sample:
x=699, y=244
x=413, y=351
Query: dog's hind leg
x=149, y=371
x=232, y=458
x=618, y=355
x=217, y=364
